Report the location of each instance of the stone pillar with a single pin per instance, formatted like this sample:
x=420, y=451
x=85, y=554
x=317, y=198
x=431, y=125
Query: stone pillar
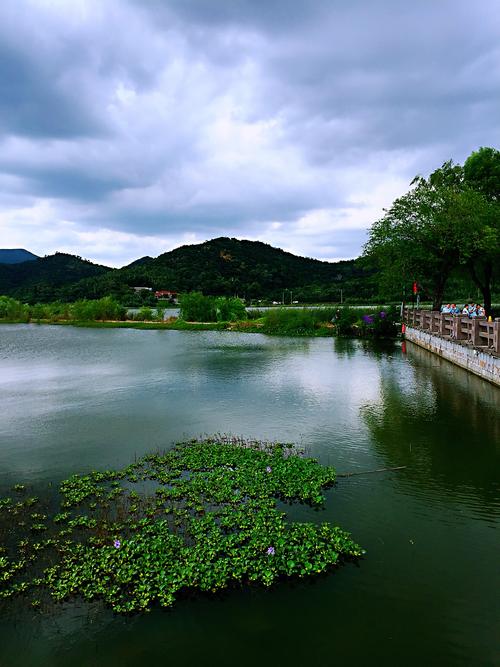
x=457, y=328
x=475, y=337
x=496, y=335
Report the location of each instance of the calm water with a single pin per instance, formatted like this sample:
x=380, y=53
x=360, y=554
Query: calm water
x=427, y=592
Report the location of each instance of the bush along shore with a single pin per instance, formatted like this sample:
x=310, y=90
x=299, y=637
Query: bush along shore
x=202, y=313
x=198, y=518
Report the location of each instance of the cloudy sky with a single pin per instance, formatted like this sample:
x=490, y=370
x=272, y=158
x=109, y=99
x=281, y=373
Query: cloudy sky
x=130, y=127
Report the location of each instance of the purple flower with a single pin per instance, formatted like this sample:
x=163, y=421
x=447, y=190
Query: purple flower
x=382, y=314
x=270, y=551
x=117, y=544
x=269, y=469
x=368, y=319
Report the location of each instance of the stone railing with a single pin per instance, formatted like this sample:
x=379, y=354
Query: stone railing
x=476, y=331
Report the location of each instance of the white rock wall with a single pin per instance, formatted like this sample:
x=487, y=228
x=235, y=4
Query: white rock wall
x=481, y=363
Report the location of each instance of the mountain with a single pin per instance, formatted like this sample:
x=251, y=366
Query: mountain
x=138, y=262
x=252, y=269
x=16, y=256
x=221, y=266
x=46, y=278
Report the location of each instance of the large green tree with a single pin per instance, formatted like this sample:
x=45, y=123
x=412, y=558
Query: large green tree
x=482, y=174
x=430, y=231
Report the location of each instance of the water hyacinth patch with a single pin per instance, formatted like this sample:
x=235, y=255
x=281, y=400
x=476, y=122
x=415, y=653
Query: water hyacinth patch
x=200, y=517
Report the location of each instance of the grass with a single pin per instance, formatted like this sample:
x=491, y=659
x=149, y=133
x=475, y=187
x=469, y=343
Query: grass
x=312, y=322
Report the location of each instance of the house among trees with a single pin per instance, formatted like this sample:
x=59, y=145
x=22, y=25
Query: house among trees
x=166, y=294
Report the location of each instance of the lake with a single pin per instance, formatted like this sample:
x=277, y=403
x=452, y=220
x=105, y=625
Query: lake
x=427, y=591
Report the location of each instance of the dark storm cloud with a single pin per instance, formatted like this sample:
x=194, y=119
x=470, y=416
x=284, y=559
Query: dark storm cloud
x=295, y=120
x=31, y=103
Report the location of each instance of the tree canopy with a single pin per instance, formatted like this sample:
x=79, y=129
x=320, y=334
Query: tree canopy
x=445, y=224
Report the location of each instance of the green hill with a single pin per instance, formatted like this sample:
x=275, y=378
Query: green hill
x=222, y=266
x=249, y=269
x=46, y=278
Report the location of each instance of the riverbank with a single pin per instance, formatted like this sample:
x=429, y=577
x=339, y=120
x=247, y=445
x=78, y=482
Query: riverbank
x=249, y=326
x=203, y=313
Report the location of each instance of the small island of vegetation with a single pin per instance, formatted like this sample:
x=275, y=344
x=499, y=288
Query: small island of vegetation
x=200, y=517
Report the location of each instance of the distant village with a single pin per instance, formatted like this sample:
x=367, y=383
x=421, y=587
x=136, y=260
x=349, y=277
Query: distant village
x=165, y=294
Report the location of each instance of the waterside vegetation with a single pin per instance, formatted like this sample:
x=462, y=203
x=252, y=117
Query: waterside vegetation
x=446, y=227
x=200, y=517
x=199, y=312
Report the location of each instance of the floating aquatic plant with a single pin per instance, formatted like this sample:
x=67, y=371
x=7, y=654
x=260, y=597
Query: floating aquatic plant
x=200, y=517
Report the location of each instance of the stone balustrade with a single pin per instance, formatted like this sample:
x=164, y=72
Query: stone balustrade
x=476, y=332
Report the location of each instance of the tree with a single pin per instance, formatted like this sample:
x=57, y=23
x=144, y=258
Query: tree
x=482, y=174
x=423, y=236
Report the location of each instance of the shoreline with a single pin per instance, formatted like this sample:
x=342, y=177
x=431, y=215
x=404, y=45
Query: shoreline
x=245, y=326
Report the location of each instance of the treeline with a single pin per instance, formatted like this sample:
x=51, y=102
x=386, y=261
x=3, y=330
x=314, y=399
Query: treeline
x=251, y=270
x=377, y=322
x=221, y=312
x=444, y=230
x=221, y=267
x=83, y=310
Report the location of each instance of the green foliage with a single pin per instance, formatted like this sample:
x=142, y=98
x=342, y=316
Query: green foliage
x=208, y=521
x=344, y=320
x=482, y=172
x=297, y=321
x=377, y=322
x=446, y=224
x=10, y=309
x=145, y=314
x=81, y=311
x=229, y=309
x=99, y=309
x=195, y=307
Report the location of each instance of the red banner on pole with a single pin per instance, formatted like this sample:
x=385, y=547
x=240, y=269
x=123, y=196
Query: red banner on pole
x=415, y=288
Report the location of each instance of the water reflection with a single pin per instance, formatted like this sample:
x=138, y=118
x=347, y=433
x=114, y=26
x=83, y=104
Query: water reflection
x=443, y=424
x=345, y=347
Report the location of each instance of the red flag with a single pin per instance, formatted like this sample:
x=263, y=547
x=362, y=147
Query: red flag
x=415, y=288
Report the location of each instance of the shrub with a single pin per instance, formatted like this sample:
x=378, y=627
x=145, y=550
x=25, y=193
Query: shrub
x=40, y=311
x=290, y=321
x=10, y=309
x=195, y=307
x=344, y=320
x=144, y=314
x=255, y=314
x=229, y=309
x=106, y=308
x=380, y=324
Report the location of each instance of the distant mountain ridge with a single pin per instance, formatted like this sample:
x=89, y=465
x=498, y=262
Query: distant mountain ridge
x=16, y=256
x=46, y=278
x=221, y=266
x=250, y=269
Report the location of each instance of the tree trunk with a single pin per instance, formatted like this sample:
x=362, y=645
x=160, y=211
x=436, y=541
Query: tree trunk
x=437, y=297
x=484, y=284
